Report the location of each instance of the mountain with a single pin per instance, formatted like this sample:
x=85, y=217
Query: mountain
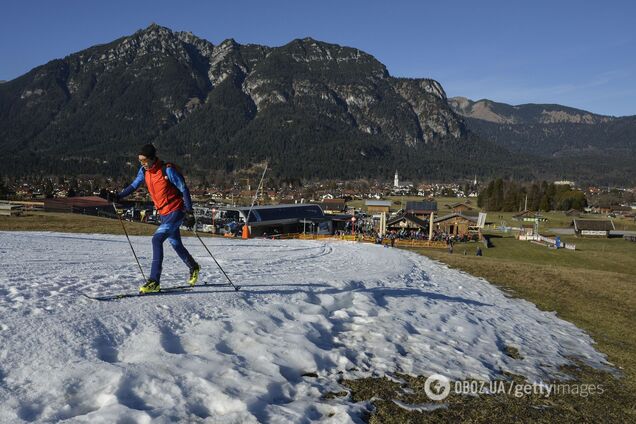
x=583, y=145
x=313, y=109
x=502, y=113
x=310, y=108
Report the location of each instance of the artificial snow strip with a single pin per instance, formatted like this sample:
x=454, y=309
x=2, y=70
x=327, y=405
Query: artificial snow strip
x=308, y=313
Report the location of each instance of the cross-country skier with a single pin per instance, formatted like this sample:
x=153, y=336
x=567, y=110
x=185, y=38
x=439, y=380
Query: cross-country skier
x=171, y=197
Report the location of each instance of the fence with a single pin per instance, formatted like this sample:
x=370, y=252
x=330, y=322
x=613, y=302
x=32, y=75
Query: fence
x=348, y=237
x=7, y=209
x=546, y=240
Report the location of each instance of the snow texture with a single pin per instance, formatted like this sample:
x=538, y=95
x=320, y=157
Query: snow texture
x=309, y=313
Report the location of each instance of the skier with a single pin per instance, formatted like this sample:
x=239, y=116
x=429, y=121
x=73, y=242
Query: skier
x=171, y=197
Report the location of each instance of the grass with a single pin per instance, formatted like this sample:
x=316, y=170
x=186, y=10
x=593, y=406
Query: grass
x=600, y=254
x=593, y=287
x=73, y=223
x=555, y=220
x=500, y=407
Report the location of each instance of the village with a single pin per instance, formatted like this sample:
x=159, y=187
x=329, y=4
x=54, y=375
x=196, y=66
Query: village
x=394, y=213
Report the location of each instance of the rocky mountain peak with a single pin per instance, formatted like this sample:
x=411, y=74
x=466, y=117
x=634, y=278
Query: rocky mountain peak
x=156, y=29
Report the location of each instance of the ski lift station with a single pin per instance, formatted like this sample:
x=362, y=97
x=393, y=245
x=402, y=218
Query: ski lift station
x=279, y=219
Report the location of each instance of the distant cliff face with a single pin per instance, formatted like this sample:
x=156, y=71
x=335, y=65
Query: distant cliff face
x=502, y=113
x=578, y=144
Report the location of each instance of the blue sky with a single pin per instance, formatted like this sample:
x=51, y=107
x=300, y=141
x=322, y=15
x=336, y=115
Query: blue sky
x=575, y=53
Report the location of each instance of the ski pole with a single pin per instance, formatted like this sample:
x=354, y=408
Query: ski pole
x=128, y=238
x=194, y=229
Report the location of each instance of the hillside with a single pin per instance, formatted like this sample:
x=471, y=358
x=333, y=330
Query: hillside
x=582, y=145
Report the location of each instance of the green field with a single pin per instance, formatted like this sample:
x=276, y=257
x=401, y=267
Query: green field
x=593, y=287
x=600, y=254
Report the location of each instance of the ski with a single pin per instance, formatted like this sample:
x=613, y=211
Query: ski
x=163, y=291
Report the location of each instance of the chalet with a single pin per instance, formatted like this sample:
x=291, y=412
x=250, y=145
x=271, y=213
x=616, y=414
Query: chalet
x=377, y=206
x=621, y=210
x=529, y=216
x=332, y=205
x=455, y=223
x=459, y=207
x=593, y=227
x=408, y=222
x=421, y=209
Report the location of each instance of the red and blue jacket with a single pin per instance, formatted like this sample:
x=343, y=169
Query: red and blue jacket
x=166, y=186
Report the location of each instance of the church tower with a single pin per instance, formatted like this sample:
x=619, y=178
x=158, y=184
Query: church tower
x=396, y=181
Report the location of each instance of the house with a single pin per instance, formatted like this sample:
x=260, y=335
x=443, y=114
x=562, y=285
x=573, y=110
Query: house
x=421, y=209
x=459, y=207
x=455, y=223
x=620, y=210
x=593, y=227
x=332, y=205
x=377, y=206
x=406, y=221
x=529, y=216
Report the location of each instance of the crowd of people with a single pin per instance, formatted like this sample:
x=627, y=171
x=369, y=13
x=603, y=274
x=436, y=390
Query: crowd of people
x=421, y=234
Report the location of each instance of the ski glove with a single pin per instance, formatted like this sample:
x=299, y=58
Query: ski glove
x=189, y=220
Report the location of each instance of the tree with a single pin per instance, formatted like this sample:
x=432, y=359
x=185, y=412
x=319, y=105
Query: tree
x=3, y=188
x=510, y=203
x=571, y=199
x=496, y=200
x=48, y=188
x=544, y=205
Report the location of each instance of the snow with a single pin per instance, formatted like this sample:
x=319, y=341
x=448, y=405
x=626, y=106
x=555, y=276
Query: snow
x=309, y=313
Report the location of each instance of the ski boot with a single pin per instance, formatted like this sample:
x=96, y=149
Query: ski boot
x=151, y=286
x=194, y=274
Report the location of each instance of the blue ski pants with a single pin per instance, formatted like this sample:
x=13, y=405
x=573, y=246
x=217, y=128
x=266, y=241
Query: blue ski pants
x=169, y=229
